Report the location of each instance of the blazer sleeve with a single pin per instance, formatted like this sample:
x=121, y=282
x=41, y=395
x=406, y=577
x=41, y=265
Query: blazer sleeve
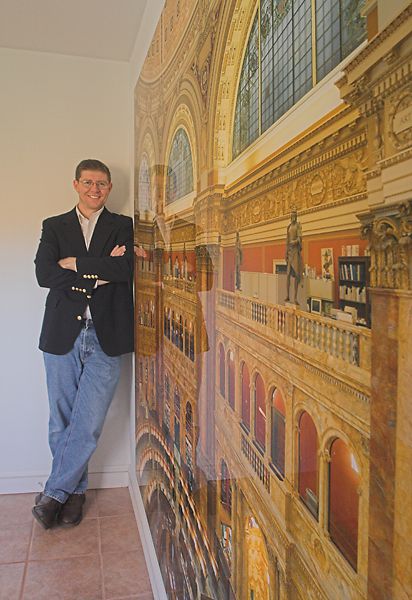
x=111, y=268
x=48, y=273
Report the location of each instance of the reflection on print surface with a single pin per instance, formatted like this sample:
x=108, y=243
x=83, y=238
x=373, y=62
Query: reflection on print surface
x=258, y=441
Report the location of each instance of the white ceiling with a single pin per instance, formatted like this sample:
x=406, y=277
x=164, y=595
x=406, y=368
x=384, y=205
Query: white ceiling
x=105, y=29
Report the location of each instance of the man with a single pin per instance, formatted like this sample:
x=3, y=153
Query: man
x=294, y=254
x=85, y=257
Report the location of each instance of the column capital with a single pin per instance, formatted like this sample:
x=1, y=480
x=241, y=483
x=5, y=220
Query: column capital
x=388, y=230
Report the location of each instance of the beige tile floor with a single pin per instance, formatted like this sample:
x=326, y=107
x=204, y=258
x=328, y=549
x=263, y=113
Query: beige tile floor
x=100, y=559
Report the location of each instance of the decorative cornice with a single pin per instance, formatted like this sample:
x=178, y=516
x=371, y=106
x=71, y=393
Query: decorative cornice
x=395, y=159
x=277, y=175
x=283, y=153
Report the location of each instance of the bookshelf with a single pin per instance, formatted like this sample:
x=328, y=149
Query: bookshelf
x=353, y=285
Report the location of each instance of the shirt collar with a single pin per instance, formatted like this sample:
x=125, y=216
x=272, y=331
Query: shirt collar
x=94, y=216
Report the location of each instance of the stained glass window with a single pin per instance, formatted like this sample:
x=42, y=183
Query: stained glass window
x=278, y=66
x=246, y=128
x=145, y=203
x=180, y=168
x=339, y=29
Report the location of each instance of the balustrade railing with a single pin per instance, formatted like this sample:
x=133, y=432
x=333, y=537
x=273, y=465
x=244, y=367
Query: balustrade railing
x=343, y=341
x=180, y=284
x=256, y=462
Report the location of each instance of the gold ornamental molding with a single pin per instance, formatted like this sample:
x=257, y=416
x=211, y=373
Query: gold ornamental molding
x=291, y=168
x=389, y=234
x=335, y=178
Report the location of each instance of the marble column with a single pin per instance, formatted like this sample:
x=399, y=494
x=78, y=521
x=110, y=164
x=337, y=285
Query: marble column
x=205, y=355
x=390, y=510
x=389, y=232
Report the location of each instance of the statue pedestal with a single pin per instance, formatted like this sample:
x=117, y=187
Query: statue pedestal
x=290, y=304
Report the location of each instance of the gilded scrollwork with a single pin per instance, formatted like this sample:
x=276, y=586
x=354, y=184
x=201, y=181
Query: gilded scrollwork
x=334, y=181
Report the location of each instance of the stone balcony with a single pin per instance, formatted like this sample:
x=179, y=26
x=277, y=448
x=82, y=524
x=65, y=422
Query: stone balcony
x=341, y=347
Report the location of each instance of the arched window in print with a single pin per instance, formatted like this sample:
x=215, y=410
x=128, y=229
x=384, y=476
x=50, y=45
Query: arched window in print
x=189, y=435
x=260, y=412
x=222, y=371
x=278, y=432
x=283, y=62
x=176, y=404
x=246, y=126
x=187, y=343
x=152, y=372
x=174, y=329
x=344, y=481
x=166, y=408
x=231, y=379
x=225, y=486
x=181, y=333
x=146, y=379
x=144, y=194
x=180, y=168
x=191, y=342
x=245, y=396
x=308, y=463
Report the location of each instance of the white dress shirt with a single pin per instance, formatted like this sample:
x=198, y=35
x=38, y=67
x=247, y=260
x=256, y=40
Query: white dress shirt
x=87, y=226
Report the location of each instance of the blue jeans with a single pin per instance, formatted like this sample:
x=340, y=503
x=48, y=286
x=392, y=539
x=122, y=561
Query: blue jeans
x=80, y=385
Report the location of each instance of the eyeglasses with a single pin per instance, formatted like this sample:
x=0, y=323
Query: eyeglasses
x=88, y=183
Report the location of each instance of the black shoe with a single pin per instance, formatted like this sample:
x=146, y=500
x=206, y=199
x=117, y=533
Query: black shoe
x=46, y=510
x=72, y=511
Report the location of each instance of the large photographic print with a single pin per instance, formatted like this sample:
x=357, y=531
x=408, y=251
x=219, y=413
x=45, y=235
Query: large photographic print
x=253, y=382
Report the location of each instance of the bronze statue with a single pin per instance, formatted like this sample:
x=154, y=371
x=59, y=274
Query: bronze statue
x=294, y=254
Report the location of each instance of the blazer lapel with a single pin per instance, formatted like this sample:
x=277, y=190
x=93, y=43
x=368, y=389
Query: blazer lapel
x=101, y=233
x=74, y=233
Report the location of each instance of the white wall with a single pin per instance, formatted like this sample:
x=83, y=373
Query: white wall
x=54, y=111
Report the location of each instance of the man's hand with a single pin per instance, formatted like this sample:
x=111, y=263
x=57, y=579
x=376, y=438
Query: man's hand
x=68, y=263
x=118, y=250
x=139, y=251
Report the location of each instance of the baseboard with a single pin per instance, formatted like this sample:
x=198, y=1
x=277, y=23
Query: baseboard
x=24, y=483
x=152, y=563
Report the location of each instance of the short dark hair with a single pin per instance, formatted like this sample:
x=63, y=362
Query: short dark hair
x=91, y=164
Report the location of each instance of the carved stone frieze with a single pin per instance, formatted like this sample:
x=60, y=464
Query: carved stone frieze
x=389, y=234
x=183, y=233
x=304, y=188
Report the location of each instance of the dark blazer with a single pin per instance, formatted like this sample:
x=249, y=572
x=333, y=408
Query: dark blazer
x=111, y=305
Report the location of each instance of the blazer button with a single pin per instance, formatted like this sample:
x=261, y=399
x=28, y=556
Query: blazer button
x=88, y=297
x=73, y=288
x=79, y=317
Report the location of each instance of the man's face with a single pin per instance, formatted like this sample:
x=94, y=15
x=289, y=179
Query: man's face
x=93, y=189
